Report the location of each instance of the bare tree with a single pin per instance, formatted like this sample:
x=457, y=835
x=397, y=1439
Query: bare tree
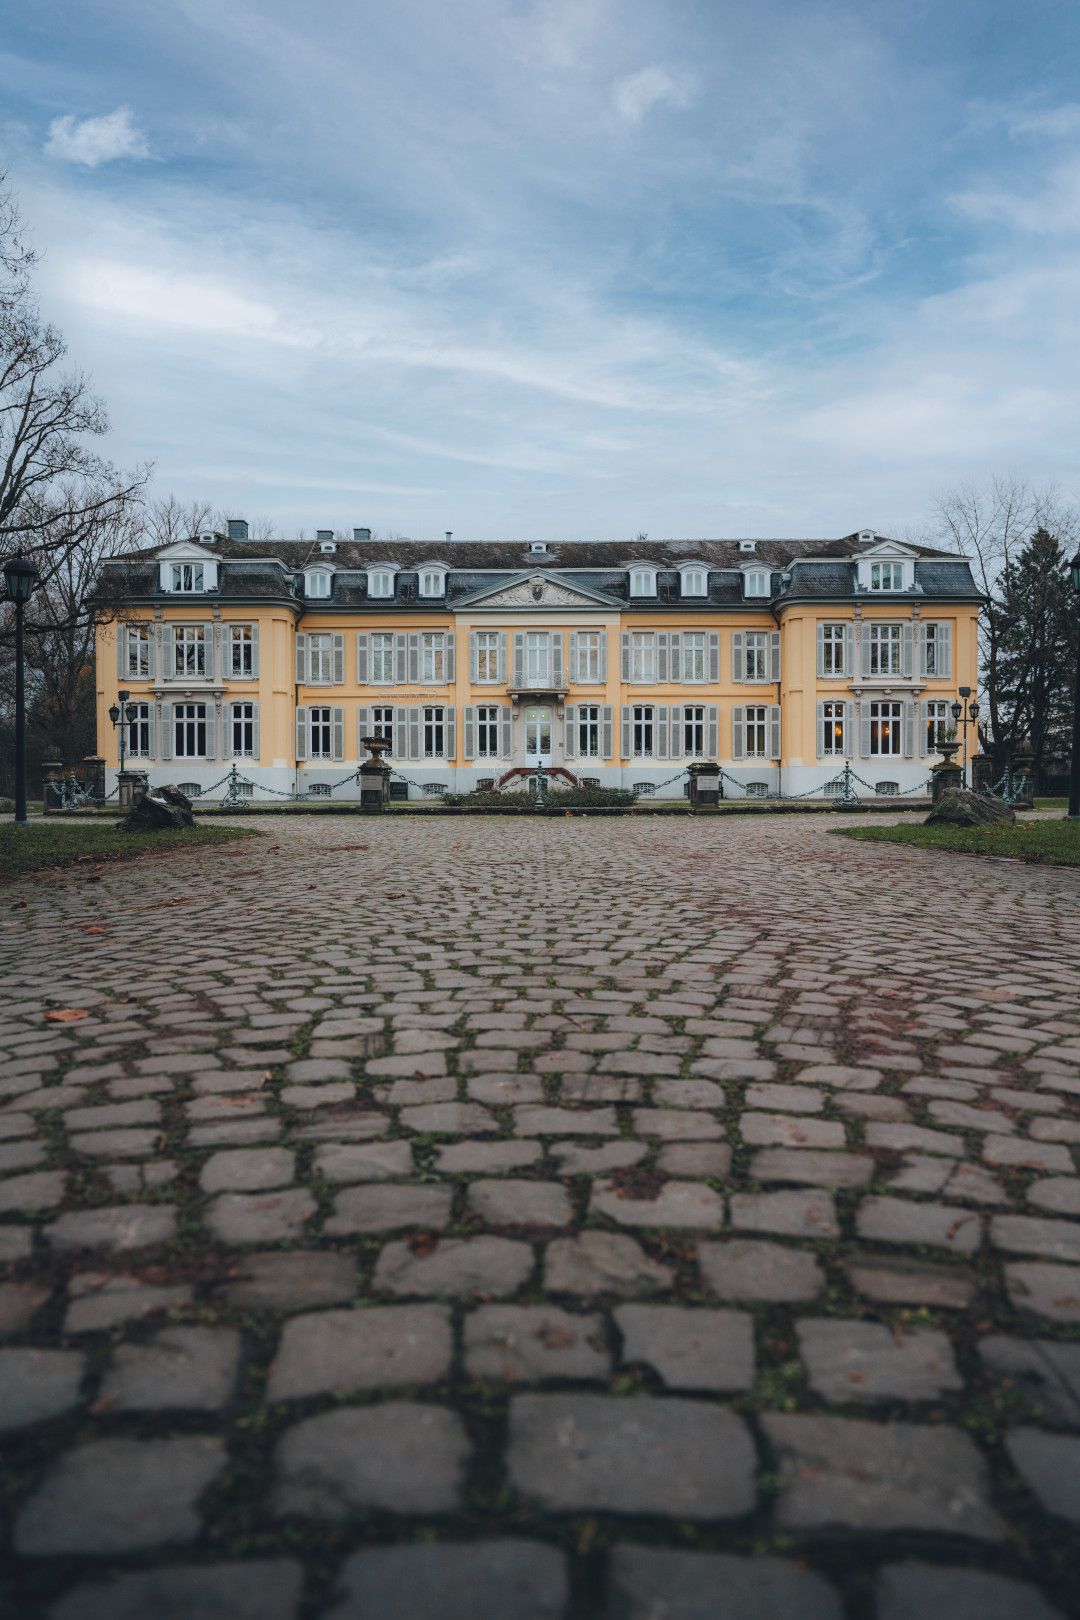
x=166, y=519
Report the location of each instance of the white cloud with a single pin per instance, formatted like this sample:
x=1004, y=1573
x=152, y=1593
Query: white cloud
x=91, y=141
x=652, y=87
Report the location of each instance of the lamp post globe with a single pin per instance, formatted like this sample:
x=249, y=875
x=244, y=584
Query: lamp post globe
x=20, y=577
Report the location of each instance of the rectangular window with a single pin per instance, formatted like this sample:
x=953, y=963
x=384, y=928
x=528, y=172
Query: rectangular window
x=588, y=653
x=320, y=659
x=643, y=732
x=834, y=649
x=693, y=655
x=382, y=725
x=537, y=657
x=189, y=730
x=886, y=720
x=138, y=729
x=380, y=583
x=433, y=657
x=936, y=650
x=757, y=582
x=643, y=656
x=320, y=739
x=487, y=732
x=694, y=733
x=885, y=649
x=317, y=584
x=833, y=740
x=695, y=582
x=588, y=731
x=887, y=576
x=190, y=644
x=431, y=582
x=187, y=576
x=243, y=728
x=757, y=730
x=137, y=660
x=241, y=650
x=757, y=656
x=382, y=659
x=434, y=733
x=487, y=655
x=938, y=724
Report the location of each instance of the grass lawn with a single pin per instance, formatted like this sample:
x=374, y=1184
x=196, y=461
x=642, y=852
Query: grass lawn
x=44, y=844
x=1050, y=843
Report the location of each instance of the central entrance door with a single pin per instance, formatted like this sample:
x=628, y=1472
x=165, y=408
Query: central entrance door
x=538, y=735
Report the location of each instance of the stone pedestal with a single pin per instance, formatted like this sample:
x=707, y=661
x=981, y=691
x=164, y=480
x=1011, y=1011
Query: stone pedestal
x=52, y=784
x=705, y=785
x=131, y=785
x=947, y=777
x=93, y=776
x=374, y=785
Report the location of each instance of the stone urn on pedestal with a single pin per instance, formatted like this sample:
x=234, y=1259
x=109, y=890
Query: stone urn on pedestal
x=374, y=775
x=946, y=775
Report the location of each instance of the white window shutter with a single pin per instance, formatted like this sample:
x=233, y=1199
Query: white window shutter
x=738, y=732
x=416, y=742
x=849, y=730
x=626, y=655
x=627, y=731
x=738, y=660
x=712, y=654
x=166, y=731
x=906, y=633
x=401, y=734
x=451, y=656
x=864, y=637
x=573, y=657
x=301, y=733
x=663, y=647
x=228, y=744
x=944, y=651
x=519, y=658
x=907, y=741
x=675, y=735
x=211, y=731
x=661, y=724
x=474, y=670
x=363, y=658
x=820, y=657
x=774, y=655
x=556, y=659
x=170, y=654
x=506, y=727
x=502, y=658
x=301, y=658
x=165, y=576
x=154, y=713
x=401, y=659
x=363, y=729
x=255, y=748
x=864, y=729
x=603, y=655
x=607, y=730
x=469, y=739
x=450, y=731
x=339, y=659
x=774, y=731
x=570, y=722
x=413, y=640
x=254, y=650
x=712, y=731
x=849, y=650
x=210, y=641
x=820, y=716
x=675, y=656
x=924, y=727
x=121, y=650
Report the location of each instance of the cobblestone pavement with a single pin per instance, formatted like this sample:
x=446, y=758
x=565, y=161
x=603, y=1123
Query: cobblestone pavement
x=452, y=1218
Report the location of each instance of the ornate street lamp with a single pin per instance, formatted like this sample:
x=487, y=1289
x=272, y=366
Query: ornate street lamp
x=20, y=577
x=1074, y=768
x=120, y=717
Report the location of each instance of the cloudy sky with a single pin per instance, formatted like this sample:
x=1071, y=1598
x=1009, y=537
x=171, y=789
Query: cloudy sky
x=556, y=268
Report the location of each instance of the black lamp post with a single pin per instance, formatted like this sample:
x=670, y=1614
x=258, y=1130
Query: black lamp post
x=119, y=716
x=970, y=712
x=1074, y=768
x=20, y=577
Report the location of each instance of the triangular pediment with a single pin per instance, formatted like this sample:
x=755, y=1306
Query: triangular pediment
x=187, y=551
x=890, y=550
x=538, y=590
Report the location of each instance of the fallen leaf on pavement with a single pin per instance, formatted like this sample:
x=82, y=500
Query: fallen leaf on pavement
x=66, y=1015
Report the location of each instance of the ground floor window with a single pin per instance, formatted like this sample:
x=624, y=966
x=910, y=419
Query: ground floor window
x=434, y=733
x=320, y=734
x=833, y=741
x=937, y=724
x=588, y=730
x=693, y=733
x=319, y=790
x=138, y=729
x=886, y=722
x=243, y=728
x=189, y=730
x=487, y=732
x=382, y=725
x=757, y=731
x=642, y=735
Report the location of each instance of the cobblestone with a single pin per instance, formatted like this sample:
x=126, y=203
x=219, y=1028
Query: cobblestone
x=495, y=1247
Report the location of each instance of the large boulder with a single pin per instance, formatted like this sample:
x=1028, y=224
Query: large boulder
x=959, y=808
x=158, y=809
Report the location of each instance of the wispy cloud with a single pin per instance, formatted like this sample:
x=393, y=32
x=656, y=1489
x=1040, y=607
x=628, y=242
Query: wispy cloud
x=93, y=141
x=650, y=87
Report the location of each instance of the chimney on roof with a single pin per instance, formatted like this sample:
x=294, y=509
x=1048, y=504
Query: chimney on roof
x=237, y=528
x=449, y=535
x=324, y=534
x=361, y=534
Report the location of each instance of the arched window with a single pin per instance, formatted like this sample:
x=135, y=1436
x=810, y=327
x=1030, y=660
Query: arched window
x=380, y=582
x=695, y=581
x=643, y=582
x=317, y=583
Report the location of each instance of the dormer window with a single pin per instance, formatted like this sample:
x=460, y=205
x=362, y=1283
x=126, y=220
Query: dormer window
x=694, y=581
x=747, y=545
x=538, y=546
x=380, y=582
x=328, y=547
x=432, y=580
x=886, y=576
x=317, y=583
x=187, y=576
x=757, y=582
x=643, y=582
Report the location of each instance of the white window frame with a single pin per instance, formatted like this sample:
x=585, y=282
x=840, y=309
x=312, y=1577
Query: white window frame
x=757, y=582
x=834, y=641
x=694, y=657
x=938, y=722
x=317, y=584
x=433, y=731
x=587, y=721
x=643, y=657
x=186, y=728
x=643, y=731
x=320, y=728
x=537, y=657
x=242, y=727
x=757, y=656
x=432, y=582
x=382, y=723
x=693, y=728
x=192, y=639
x=886, y=576
x=241, y=640
x=756, y=716
x=433, y=658
x=320, y=655
x=834, y=728
x=589, y=651
x=187, y=578
x=487, y=731
x=643, y=582
x=487, y=657
x=886, y=636
x=137, y=640
x=694, y=581
x=138, y=738
x=382, y=657
x=894, y=721
x=380, y=583
x=936, y=638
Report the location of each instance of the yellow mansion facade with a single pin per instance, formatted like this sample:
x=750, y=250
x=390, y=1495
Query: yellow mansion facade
x=618, y=662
